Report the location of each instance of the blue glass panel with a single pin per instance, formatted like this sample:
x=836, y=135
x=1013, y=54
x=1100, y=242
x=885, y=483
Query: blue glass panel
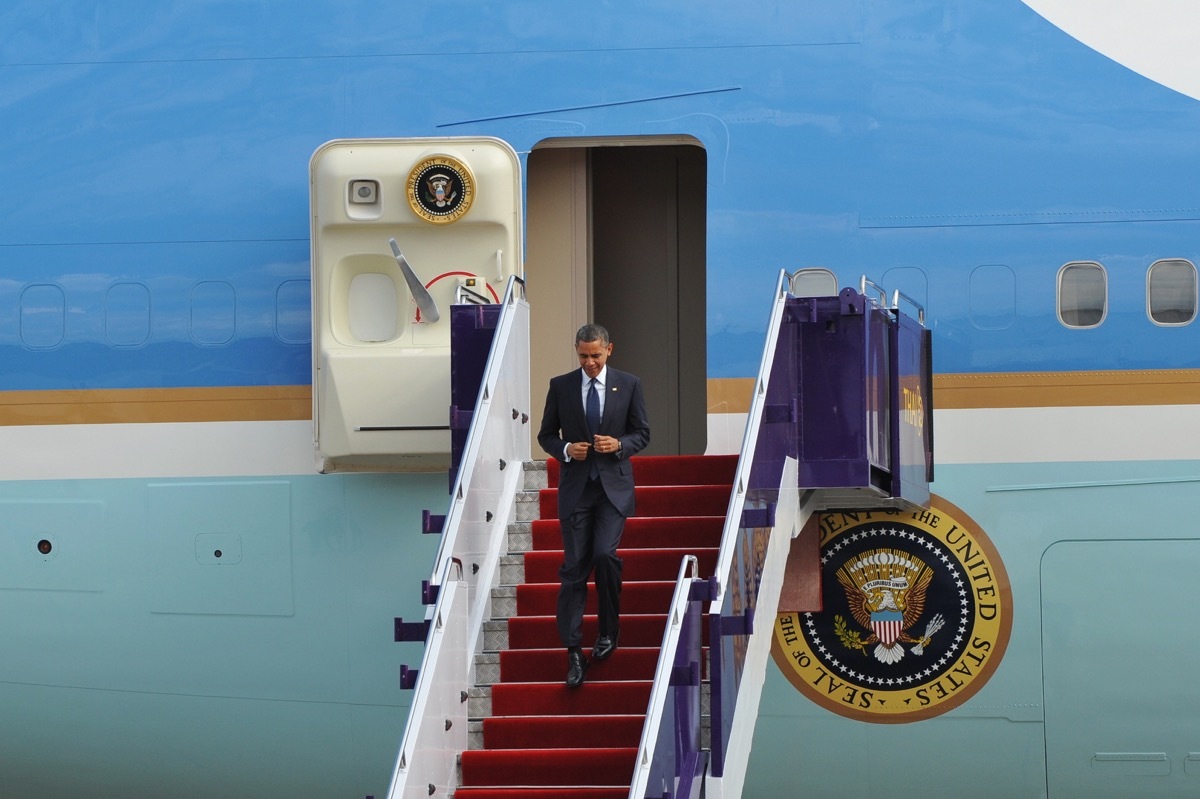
x=1082, y=294
x=1171, y=292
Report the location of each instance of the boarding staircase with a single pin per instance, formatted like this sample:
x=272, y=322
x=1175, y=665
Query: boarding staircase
x=530, y=735
x=705, y=563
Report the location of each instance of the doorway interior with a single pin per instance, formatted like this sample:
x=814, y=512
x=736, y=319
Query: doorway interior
x=615, y=234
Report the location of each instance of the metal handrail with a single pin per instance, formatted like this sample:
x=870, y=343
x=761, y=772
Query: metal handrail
x=730, y=536
x=508, y=434
x=487, y=387
x=749, y=440
x=865, y=283
x=649, y=755
x=898, y=295
x=445, y=635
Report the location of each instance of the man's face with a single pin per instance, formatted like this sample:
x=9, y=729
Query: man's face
x=592, y=356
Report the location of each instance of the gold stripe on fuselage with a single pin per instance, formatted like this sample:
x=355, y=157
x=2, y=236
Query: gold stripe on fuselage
x=146, y=405
x=1019, y=390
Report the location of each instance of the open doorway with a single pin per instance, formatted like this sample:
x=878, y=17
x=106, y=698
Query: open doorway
x=615, y=234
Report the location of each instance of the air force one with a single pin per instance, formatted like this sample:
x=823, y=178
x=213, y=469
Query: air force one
x=235, y=240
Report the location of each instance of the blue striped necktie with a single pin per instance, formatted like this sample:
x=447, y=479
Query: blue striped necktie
x=593, y=408
x=593, y=421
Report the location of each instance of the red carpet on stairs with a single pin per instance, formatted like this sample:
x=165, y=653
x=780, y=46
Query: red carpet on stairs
x=545, y=741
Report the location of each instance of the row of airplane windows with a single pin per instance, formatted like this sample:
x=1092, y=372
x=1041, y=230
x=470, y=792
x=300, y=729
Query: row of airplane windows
x=1082, y=303
x=214, y=313
x=1082, y=291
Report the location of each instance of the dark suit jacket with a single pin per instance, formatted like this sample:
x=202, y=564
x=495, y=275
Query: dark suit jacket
x=624, y=418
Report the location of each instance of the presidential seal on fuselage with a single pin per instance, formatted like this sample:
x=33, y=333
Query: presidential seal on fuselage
x=917, y=615
x=440, y=189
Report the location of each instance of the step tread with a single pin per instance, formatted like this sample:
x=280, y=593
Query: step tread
x=609, y=766
x=561, y=732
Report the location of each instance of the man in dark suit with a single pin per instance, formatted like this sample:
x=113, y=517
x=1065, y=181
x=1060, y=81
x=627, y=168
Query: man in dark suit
x=595, y=419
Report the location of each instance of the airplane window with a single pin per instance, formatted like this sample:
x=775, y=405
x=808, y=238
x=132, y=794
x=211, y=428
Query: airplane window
x=43, y=320
x=911, y=281
x=293, y=312
x=992, y=297
x=813, y=282
x=373, y=307
x=1082, y=294
x=214, y=313
x=1171, y=292
x=127, y=314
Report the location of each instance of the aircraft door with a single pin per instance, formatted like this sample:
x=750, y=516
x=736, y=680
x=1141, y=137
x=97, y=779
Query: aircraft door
x=401, y=229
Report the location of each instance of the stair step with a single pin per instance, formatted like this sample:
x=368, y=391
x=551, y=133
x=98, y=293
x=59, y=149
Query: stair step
x=520, y=536
x=593, y=698
x=541, y=599
x=479, y=708
x=487, y=668
x=550, y=767
x=504, y=601
x=536, y=475
x=659, y=501
x=637, y=564
x=495, y=635
x=548, y=665
x=541, y=632
x=641, y=532
x=670, y=470
x=564, y=732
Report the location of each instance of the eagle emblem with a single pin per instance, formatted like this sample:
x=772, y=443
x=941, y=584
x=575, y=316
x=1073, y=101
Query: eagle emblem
x=885, y=589
x=439, y=190
x=891, y=581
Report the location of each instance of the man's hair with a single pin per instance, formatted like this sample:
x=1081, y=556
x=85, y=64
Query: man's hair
x=592, y=333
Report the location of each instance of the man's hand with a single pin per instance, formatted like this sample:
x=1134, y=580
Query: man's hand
x=578, y=450
x=606, y=444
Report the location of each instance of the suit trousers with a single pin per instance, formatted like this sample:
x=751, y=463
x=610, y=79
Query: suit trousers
x=591, y=536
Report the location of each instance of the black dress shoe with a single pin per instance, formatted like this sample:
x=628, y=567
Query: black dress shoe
x=577, y=666
x=605, y=646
